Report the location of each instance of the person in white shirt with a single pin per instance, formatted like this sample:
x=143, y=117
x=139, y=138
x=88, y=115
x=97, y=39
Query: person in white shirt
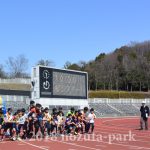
x=22, y=118
x=91, y=118
x=47, y=119
x=60, y=122
x=10, y=123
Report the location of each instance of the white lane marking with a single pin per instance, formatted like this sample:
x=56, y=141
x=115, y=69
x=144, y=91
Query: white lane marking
x=117, y=144
x=2, y=142
x=20, y=144
x=101, y=145
x=124, y=145
x=135, y=148
x=118, y=119
x=137, y=140
x=115, y=131
x=45, y=147
x=73, y=144
x=39, y=147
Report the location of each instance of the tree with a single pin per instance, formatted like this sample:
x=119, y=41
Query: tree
x=17, y=66
x=67, y=65
x=43, y=62
x=127, y=68
x=2, y=73
x=74, y=66
x=100, y=57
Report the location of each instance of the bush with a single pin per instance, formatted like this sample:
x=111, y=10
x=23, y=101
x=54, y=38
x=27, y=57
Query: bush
x=118, y=94
x=15, y=86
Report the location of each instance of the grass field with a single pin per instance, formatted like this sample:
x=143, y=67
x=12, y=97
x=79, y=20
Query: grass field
x=118, y=94
x=92, y=94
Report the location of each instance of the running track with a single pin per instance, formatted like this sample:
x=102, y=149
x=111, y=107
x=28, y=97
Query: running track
x=110, y=134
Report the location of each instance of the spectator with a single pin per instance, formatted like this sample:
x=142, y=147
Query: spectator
x=144, y=116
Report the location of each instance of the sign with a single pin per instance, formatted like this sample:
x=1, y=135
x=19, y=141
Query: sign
x=59, y=83
x=45, y=82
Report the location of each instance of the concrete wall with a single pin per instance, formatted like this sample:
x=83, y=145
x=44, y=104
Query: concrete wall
x=16, y=80
x=122, y=101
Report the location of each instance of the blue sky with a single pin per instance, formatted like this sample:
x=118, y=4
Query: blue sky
x=70, y=30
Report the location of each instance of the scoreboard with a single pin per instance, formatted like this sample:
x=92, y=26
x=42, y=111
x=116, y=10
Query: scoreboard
x=61, y=83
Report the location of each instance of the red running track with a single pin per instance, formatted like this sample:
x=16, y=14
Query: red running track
x=110, y=134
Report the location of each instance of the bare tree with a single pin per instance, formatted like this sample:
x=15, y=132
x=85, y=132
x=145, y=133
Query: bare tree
x=126, y=68
x=17, y=66
x=67, y=64
x=43, y=62
x=82, y=65
x=2, y=72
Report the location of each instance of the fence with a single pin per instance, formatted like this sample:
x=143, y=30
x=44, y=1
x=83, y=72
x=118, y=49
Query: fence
x=16, y=80
x=117, y=101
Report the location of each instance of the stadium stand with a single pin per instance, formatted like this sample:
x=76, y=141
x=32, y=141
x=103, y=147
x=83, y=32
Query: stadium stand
x=117, y=107
x=127, y=109
x=103, y=109
x=16, y=105
x=16, y=92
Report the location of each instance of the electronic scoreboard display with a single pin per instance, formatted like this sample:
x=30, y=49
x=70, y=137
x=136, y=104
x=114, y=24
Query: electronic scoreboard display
x=57, y=83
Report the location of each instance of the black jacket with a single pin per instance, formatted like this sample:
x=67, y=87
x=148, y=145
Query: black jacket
x=144, y=111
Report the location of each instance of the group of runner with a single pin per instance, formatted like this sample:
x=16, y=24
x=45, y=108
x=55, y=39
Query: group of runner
x=29, y=123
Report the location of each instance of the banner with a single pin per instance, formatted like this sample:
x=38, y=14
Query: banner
x=0, y=101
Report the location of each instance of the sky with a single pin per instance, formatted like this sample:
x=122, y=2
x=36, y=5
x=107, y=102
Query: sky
x=70, y=30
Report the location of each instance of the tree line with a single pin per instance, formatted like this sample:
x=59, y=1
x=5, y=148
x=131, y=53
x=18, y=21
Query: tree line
x=126, y=68
x=17, y=67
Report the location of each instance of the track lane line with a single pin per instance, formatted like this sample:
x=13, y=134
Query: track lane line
x=39, y=147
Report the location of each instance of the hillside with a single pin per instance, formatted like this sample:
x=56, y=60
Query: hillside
x=126, y=68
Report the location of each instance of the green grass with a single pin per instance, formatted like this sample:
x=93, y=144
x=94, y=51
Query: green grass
x=92, y=94
x=14, y=86
x=118, y=94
